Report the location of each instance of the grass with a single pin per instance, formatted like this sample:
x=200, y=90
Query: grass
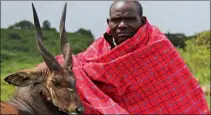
x=6, y=69
x=208, y=101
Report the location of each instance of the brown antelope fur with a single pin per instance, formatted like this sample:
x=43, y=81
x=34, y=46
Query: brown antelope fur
x=48, y=88
x=9, y=109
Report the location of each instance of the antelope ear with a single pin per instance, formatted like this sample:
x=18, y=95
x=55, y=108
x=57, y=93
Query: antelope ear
x=22, y=78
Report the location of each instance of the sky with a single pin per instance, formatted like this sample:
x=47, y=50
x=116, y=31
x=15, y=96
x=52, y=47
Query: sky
x=188, y=17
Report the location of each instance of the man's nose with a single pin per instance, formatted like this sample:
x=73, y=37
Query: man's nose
x=122, y=24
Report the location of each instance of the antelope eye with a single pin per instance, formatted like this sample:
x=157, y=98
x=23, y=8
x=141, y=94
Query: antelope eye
x=55, y=82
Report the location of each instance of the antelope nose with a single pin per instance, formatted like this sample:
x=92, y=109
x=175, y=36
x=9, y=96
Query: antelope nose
x=79, y=109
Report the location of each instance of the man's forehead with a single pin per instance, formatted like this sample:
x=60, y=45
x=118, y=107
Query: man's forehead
x=123, y=14
x=120, y=6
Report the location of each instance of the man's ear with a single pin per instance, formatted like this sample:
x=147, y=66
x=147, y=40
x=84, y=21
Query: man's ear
x=143, y=19
x=107, y=21
x=23, y=78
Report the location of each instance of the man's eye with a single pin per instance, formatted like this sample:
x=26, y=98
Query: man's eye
x=130, y=19
x=115, y=20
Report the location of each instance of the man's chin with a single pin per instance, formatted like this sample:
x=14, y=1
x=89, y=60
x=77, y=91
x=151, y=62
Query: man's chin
x=121, y=40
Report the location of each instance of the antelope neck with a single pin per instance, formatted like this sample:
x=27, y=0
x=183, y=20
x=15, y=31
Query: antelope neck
x=24, y=106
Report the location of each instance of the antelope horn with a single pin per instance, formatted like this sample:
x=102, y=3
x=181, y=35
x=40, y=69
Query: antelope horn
x=49, y=59
x=65, y=46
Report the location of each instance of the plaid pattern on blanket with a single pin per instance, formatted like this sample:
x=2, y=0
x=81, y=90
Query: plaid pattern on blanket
x=143, y=75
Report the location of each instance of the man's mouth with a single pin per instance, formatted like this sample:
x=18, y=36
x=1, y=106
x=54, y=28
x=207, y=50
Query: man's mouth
x=123, y=35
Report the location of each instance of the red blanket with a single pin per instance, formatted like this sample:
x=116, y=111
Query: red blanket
x=143, y=75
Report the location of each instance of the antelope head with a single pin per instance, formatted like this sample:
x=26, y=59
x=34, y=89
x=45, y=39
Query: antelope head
x=58, y=80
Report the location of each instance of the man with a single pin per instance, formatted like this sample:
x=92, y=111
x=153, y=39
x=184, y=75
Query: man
x=125, y=19
x=134, y=69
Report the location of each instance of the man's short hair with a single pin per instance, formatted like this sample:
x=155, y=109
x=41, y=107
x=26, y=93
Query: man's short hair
x=137, y=3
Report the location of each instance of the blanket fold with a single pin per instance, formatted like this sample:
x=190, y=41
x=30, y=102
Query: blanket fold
x=143, y=75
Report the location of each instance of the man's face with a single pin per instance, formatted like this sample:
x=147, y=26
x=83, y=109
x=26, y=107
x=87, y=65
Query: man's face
x=124, y=21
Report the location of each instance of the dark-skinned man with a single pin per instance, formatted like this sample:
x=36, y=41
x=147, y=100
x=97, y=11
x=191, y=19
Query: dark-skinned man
x=134, y=69
x=125, y=19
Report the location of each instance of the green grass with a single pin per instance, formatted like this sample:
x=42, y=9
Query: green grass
x=6, y=90
x=6, y=69
x=208, y=101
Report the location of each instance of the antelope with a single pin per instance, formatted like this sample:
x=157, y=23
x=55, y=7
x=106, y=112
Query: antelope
x=48, y=88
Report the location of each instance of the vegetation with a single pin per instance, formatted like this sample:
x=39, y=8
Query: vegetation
x=196, y=54
x=178, y=40
x=19, y=51
x=23, y=25
x=46, y=25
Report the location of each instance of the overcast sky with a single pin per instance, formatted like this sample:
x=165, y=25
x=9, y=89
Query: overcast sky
x=187, y=17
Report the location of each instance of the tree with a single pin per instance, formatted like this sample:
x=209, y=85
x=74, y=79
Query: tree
x=85, y=32
x=177, y=39
x=46, y=25
x=22, y=25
